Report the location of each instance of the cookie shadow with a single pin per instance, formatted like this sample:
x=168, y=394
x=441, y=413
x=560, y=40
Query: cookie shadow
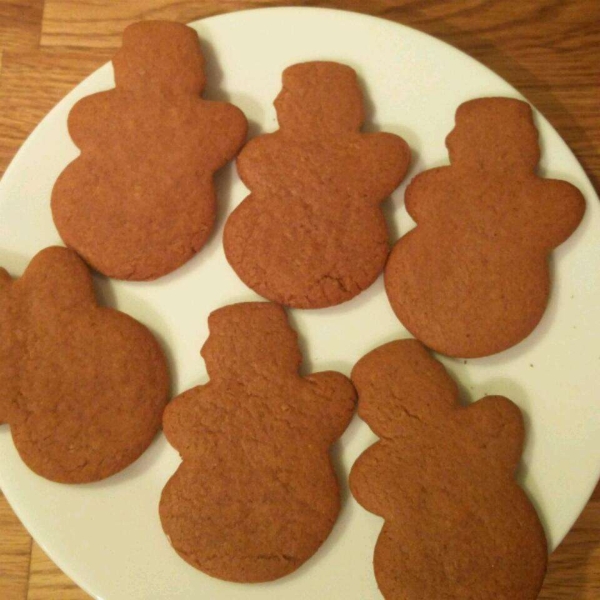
x=391, y=208
x=371, y=125
x=225, y=180
x=393, y=204
x=215, y=91
x=309, y=366
x=213, y=71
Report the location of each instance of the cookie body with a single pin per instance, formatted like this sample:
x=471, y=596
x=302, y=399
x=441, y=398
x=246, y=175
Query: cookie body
x=472, y=278
x=139, y=201
x=82, y=387
x=256, y=494
x=312, y=234
x=457, y=525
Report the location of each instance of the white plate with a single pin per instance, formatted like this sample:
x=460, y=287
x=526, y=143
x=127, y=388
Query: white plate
x=107, y=536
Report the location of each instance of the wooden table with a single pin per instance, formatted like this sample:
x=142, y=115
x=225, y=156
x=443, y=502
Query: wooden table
x=550, y=50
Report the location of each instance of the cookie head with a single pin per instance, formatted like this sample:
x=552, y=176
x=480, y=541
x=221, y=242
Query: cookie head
x=319, y=96
x=60, y=279
x=160, y=55
x=398, y=382
x=250, y=337
x=494, y=134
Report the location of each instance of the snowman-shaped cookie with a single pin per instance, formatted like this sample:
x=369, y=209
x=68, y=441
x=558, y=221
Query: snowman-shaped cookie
x=256, y=494
x=472, y=278
x=312, y=234
x=140, y=201
x=457, y=525
x=82, y=387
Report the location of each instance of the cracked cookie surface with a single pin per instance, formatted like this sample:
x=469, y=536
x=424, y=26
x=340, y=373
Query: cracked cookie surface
x=457, y=524
x=312, y=234
x=82, y=387
x=256, y=494
x=140, y=201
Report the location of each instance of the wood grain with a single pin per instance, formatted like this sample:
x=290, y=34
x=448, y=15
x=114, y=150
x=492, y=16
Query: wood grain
x=550, y=50
x=31, y=83
x=47, y=581
x=574, y=569
x=15, y=551
x=20, y=23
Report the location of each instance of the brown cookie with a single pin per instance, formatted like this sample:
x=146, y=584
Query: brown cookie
x=256, y=494
x=472, y=278
x=140, y=200
x=457, y=525
x=82, y=387
x=312, y=233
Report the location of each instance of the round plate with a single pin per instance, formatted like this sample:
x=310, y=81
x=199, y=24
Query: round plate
x=107, y=535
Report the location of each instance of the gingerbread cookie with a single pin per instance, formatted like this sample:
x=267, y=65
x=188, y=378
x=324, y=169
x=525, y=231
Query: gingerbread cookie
x=256, y=494
x=312, y=233
x=472, y=278
x=82, y=387
x=140, y=201
x=457, y=525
